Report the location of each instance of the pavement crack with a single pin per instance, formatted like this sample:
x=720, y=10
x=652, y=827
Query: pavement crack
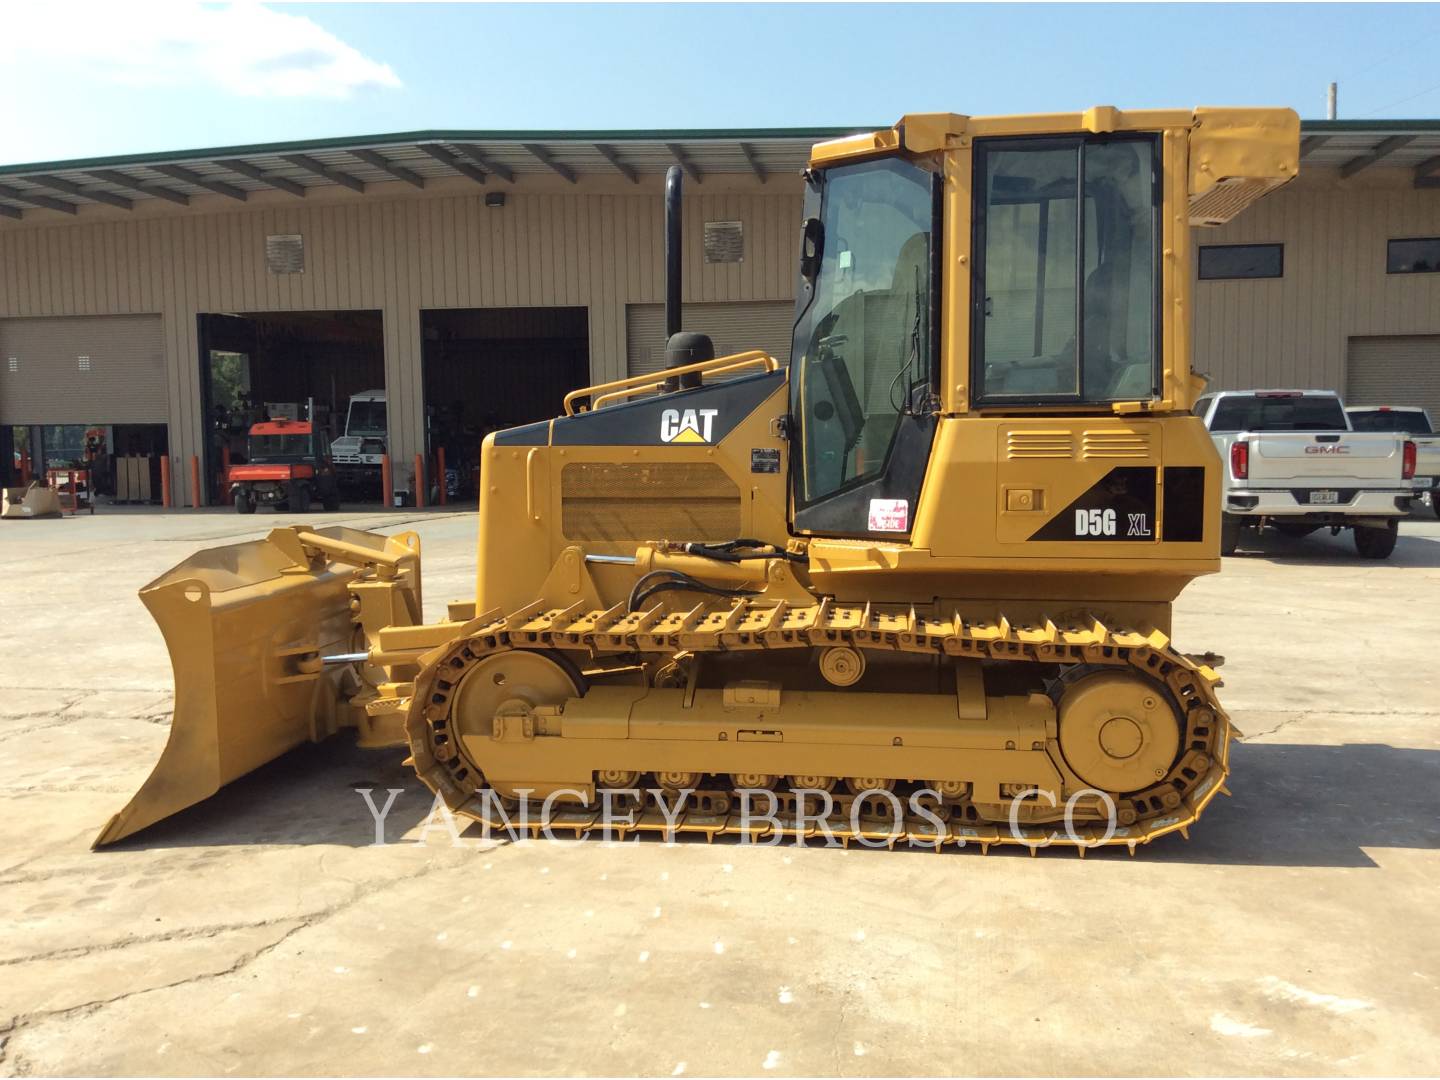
x=1252, y=736
x=191, y=933
x=17, y=1023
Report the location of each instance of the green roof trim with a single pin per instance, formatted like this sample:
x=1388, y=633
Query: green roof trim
x=409, y=138
x=1377, y=127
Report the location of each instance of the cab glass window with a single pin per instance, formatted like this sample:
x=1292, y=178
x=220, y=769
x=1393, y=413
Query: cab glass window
x=1066, y=287
x=863, y=345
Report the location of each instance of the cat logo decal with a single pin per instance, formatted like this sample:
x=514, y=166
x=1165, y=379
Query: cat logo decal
x=687, y=425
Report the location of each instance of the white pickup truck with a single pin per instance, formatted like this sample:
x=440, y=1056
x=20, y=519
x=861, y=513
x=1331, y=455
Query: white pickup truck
x=1414, y=421
x=1294, y=464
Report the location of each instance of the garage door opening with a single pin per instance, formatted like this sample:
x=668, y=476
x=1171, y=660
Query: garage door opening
x=85, y=392
x=301, y=365
x=492, y=368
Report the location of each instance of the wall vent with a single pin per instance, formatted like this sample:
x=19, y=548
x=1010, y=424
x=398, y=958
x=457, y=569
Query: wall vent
x=84, y=362
x=285, y=254
x=724, y=242
x=14, y=363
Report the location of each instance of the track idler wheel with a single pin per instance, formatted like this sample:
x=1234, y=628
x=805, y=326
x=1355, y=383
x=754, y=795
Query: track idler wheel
x=505, y=684
x=1119, y=731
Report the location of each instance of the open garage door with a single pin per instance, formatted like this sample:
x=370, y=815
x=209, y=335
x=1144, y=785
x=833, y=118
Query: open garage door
x=734, y=327
x=492, y=368
x=306, y=365
x=1397, y=370
x=83, y=369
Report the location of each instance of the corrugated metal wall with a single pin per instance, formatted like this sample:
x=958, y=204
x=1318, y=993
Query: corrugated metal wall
x=400, y=255
x=1294, y=331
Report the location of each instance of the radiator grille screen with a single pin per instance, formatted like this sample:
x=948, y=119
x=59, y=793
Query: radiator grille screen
x=650, y=501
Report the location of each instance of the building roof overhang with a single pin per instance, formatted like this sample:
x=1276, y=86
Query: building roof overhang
x=500, y=159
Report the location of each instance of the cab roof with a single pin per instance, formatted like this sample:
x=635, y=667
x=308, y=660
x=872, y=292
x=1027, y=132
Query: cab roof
x=281, y=427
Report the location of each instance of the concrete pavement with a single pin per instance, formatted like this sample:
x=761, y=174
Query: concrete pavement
x=261, y=933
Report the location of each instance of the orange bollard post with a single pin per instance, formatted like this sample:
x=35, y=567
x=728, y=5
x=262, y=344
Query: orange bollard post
x=387, y=492
x=194, y=482
x=225, y=476
x=165, y=482
x=440, y=472
x=74, y=494
x=419, y=480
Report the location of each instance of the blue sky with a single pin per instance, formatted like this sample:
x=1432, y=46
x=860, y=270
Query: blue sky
x=113, y=79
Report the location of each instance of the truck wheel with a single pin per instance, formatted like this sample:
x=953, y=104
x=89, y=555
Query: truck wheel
x=300, y=499
x=1295, y=530
x=1231, y=528
x=1435, y=501
x=243, y=503
x=1373, y=543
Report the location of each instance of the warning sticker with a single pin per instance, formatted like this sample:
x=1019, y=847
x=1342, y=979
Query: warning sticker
x=889, y=515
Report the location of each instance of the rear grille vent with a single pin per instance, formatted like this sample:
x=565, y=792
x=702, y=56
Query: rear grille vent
x=655, y=501
x=1116, y=444
x=1227, y=198
x=1038, y=444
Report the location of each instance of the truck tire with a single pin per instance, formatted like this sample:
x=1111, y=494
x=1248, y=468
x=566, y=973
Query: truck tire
x=243, y=503
x=300, y=499
x=1373, y=543
x=1295, y=530
x=1231, y=529
x=1435, y=501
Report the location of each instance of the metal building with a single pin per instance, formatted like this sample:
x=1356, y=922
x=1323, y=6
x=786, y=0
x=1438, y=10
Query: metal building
x=477, y=276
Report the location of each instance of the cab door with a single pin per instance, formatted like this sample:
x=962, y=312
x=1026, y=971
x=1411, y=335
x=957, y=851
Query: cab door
x=863, y=362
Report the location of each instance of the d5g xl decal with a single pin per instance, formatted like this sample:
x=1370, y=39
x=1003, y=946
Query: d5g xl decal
x=1120, y=506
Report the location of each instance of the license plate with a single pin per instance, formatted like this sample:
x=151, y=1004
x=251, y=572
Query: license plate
x=1324, y=496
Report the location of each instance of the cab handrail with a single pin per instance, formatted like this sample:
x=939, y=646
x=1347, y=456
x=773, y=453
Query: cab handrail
x=640, y=384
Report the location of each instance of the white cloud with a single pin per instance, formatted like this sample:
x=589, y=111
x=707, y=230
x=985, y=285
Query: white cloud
x=245, y=49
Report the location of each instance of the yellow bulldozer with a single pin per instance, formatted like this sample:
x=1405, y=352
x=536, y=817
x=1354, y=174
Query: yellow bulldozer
x=915, y=585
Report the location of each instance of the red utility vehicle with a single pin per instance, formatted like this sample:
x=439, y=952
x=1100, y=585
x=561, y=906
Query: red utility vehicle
x=289, y=467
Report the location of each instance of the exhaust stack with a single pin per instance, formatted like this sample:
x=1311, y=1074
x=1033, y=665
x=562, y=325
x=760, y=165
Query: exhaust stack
x=680, y=348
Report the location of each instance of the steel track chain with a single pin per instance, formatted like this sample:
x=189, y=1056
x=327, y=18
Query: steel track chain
x=1171, y=805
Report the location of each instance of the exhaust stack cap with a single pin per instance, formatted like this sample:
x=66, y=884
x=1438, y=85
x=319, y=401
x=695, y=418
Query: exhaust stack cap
x=687, y=348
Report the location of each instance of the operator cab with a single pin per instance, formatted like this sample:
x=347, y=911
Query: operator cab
x=1064, y=313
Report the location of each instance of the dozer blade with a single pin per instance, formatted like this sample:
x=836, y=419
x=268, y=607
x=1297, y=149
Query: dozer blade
x=246, y=626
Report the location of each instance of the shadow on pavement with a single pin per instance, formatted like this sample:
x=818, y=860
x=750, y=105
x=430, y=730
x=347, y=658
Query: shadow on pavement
x=1294, y=805
x=307, y=796
x=1324, y=550
x=1297, y=804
